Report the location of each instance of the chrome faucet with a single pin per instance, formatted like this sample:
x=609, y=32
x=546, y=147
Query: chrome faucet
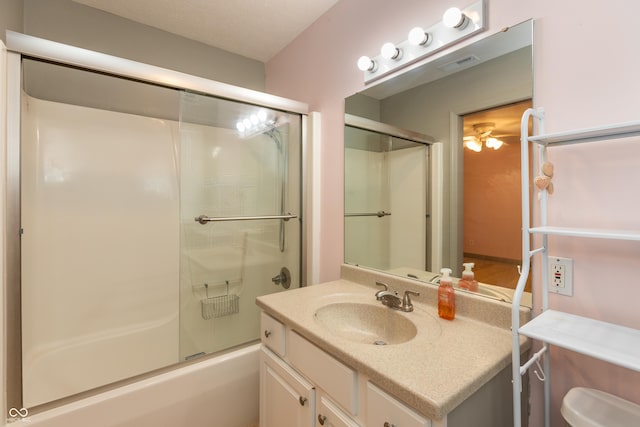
x=392, y=300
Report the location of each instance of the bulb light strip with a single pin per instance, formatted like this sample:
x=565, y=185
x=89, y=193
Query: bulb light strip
x=436, y=38
x=254, y=124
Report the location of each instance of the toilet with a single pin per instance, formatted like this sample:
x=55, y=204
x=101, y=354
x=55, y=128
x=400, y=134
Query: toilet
x=586, y=407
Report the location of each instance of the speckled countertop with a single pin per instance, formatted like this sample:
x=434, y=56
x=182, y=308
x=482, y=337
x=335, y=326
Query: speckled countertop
x=444, y=364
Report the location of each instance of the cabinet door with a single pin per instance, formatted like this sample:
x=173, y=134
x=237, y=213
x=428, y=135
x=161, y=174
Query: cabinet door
x=384, y=410
x=329, y=415
x=286, y=399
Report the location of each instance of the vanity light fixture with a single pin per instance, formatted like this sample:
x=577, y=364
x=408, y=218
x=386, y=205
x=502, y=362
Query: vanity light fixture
x=390, y=51
x=425, y=41
x=419, y=37
x=454, y=18
x=367, y=64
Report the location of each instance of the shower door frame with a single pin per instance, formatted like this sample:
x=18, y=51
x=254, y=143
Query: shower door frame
x=21, y=46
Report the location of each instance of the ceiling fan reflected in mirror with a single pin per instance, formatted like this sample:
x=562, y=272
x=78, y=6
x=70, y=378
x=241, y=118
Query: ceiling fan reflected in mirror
x=482, y=137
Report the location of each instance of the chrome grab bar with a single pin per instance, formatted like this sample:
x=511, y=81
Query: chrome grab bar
x=203, y=219
x=379, y=214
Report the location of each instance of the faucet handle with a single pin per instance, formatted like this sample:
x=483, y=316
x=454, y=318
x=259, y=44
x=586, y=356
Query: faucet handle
x=407, y=305
x=384, y=285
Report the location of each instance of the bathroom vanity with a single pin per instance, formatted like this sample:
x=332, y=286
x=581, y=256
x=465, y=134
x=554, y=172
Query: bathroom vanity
x=333, y=355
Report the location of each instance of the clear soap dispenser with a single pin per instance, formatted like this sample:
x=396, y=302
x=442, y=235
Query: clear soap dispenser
x=446, y=296
x=468, y=281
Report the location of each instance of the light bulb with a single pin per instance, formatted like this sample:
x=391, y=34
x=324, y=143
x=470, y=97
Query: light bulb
x=262, y=116
x=254, y=119
x=366, y=64
x=390, y=51
x=418, y=37
x=240, y=126
x=472, y=143
x=247, y=124
x=494, y=143
x=454, y=18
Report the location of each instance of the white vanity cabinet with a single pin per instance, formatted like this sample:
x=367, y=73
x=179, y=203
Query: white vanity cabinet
x=384, y=410
x=272, y=334
x=287, y=399
x=329, y=415
x=329, y=374
x=303, y=385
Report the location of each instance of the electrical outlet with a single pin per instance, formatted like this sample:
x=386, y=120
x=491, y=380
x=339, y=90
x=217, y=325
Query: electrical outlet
x=561, y=275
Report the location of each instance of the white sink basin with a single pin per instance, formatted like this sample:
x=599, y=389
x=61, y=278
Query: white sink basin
x=366, y=323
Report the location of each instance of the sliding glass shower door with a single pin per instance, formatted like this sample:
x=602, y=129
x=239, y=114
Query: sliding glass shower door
x=239, y=224
x=149, y=223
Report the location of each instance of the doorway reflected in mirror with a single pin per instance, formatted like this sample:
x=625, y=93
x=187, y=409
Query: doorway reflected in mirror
x=492, y=193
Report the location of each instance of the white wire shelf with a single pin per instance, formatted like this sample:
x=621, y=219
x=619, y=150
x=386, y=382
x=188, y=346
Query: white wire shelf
x=605, y=341
x=620, y=130
x=587, y=232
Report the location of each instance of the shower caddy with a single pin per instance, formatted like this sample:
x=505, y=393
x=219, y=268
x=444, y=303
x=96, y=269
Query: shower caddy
x=606, y=341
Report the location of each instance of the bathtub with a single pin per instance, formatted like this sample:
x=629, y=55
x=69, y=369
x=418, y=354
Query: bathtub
x=221, y=391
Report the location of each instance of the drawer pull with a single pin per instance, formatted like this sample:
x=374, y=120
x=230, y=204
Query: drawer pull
x=388, y=424
x=321, y=419
x=302, y=400
x=267, y=334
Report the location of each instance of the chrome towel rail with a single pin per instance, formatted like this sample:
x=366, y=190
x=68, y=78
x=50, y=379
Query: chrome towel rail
x=379, y=214
x=203, y=219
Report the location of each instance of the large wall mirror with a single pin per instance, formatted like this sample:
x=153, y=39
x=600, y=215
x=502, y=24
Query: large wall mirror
x=432, y=165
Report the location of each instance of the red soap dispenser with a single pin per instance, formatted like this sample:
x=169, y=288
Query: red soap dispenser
x=468, y=281
x=446, y=296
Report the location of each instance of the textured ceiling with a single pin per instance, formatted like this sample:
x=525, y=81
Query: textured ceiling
x=257, y=29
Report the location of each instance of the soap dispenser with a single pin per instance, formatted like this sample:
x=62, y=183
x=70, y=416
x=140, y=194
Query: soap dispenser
x=468, y=281
x=446, y=296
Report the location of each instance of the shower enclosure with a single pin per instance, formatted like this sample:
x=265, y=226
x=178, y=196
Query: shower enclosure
x=151, y=213
x=386, y=222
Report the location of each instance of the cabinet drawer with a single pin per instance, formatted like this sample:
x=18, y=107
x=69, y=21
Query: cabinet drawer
x=383, y=408
x=272, y=334
x=336, y=379
x=329, y=415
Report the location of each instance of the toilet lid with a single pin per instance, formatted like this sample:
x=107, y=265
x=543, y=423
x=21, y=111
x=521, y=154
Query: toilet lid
x=586, y=407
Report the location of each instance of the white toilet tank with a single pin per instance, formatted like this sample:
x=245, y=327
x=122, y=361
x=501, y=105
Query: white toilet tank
x=586, y=407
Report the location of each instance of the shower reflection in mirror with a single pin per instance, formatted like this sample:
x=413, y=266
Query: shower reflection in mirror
x=386, y=229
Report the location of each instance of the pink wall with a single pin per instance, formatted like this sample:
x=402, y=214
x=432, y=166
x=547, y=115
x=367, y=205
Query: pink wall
x=585, y=73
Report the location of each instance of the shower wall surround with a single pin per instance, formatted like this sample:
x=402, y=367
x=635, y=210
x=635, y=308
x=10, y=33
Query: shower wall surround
x=100, y=247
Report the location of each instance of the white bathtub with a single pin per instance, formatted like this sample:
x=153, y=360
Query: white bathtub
x=218, y=392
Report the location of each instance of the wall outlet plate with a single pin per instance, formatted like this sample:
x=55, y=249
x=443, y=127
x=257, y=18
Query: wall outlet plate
x=561, y=275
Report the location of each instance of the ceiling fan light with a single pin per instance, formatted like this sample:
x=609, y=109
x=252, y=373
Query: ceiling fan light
x=493, y=143
x=472, y=143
